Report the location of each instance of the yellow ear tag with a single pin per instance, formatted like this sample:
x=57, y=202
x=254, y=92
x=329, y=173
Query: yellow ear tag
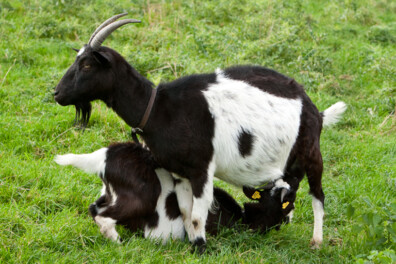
x=284, y=205
x=256, y=195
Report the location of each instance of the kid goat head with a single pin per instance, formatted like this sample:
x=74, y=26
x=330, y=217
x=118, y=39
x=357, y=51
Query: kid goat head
x=93, y=74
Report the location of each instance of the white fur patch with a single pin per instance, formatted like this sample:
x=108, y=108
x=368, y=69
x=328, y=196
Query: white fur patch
x=202, y=205
x=107, y=227
x=290, y=215
x=94, y=162
x=103, y=190
x=166, y=227
x=272, y=121
x=101, y=209
x=102, y=193
x=113, y=195
x=333, y=114
x=81, y=51
x=185, y=200
x=318, y=221
x=280, y=184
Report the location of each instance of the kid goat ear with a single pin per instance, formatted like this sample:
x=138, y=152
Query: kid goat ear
x=251, y=193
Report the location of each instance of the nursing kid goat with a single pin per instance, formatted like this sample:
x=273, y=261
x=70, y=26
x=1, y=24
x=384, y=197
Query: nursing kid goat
x=138, y=194
x=246, y=125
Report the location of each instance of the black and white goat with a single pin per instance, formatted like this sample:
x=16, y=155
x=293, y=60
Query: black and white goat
x=136, y=193
x=246, y=125
x=139, y=195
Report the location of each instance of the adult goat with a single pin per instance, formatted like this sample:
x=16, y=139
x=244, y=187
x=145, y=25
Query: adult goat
x=246, y=125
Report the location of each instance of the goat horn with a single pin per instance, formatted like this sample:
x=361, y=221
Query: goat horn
x=283, y=194
x=107, y=22
x=106, y=31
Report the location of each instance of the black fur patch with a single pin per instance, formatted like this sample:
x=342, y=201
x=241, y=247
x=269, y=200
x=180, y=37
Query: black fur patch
x=245, y=143
x=153, y=220
x=228, y=212
x=172, y=207
x=83, y=113
x=93, y=210
x=177, y=181
x=130, y=170
x=267, y=80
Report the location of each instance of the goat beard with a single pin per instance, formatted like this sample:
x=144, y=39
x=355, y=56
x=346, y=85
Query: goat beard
x=83, y=113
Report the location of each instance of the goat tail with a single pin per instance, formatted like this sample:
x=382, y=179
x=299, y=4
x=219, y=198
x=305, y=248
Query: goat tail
x=333, y=114
x=94, y=162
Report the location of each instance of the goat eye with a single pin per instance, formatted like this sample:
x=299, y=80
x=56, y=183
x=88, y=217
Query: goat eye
x=86, y=66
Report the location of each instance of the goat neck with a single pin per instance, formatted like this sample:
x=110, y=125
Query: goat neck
x=131, y=96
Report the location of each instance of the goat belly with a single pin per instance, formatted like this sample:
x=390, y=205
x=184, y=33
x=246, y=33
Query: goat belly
x=254, y=131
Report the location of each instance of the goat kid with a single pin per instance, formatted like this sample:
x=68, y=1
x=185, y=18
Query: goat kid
x=139, y=195
x=135, y=191
x=246, y=125
x=275, y=205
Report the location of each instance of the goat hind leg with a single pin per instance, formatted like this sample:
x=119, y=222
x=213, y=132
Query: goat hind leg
x=314, y=171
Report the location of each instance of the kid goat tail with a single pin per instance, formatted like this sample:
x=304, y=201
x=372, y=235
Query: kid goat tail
x=333, y=114
x=94, y=162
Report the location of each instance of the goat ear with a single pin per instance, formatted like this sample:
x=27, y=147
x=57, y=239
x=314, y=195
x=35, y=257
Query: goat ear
x=102, y=58
x=76, y=50
x=251, y=193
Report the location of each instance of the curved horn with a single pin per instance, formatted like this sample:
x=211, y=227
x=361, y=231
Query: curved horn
x=283, y=194
x=107, y=22
x=106, y=31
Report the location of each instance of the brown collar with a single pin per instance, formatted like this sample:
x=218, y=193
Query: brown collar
x=139, y=128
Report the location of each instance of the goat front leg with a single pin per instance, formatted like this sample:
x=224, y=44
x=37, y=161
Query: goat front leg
x=202, y=189
x=184, y=199
x=202, y=202
x=195, y=199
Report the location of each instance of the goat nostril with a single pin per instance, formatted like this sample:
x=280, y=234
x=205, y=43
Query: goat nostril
x=56, y=93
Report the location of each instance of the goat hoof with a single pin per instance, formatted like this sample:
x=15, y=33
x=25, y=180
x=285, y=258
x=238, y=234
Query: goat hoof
x=315, y=244
x=199, y=246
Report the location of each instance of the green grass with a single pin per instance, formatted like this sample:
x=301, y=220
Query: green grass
x=339, y=50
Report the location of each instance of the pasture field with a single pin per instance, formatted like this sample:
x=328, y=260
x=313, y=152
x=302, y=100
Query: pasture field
x=339, y=50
